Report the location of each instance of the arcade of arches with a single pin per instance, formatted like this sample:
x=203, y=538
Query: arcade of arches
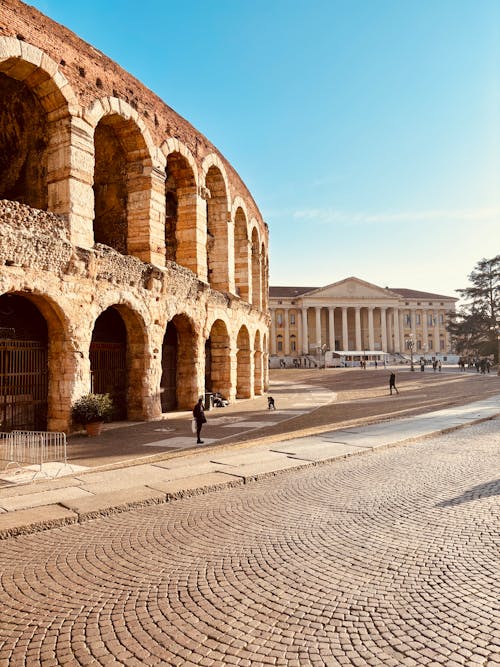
x=131, y=264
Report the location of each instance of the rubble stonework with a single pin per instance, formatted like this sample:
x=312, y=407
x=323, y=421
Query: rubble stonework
x=125, y=236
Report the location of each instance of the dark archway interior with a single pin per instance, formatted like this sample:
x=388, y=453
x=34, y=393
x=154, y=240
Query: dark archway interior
x=24, y=368
x=23, y=145
x=169, y=369
x=108, y=360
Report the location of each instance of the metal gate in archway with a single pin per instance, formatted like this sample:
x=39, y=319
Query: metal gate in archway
x=108, y=365
x=23, y=385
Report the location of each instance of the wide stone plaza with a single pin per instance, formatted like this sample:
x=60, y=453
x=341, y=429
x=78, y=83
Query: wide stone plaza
x=385, y=558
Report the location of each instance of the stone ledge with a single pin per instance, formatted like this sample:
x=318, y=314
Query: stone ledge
x=35, y=519
x=105, y=504
x=197, y=484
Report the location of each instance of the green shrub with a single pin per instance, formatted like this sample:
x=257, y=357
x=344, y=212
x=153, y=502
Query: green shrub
x=92, y=408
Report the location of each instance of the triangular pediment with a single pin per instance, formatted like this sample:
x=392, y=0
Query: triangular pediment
x=353, y=288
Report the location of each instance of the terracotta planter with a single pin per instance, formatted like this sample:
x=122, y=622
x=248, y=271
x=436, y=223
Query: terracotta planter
x=94, y=428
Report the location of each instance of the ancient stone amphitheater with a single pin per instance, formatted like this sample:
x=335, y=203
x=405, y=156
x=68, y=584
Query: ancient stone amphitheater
x=133, y=258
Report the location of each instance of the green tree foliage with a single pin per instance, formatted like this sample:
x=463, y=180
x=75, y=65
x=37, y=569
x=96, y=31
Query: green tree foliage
x=476, y=324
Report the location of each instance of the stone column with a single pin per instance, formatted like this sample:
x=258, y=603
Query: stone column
x=425, y=331
x=436, y=331
x=331, y=327
x=305, y=336
x=371, y=332
x=397, y=339
x=286, y=346
x=345, y=333
x=383, y=324
x=357, y=322
x=317, y=310
x=273, y=331
x=413, y=326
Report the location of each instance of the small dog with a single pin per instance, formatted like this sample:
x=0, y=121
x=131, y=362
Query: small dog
x=270, y=403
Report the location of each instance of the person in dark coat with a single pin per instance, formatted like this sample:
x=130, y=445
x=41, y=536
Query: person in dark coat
x=392, y=383
x=199, y=416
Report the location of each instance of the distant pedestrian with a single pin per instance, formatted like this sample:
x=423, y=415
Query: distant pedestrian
x=200, y=419
x=439, y=365
x=392, y=383
x=271, y=405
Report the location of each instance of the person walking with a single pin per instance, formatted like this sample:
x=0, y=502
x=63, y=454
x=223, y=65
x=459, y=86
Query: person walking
x=199, y=417
x=392, y=383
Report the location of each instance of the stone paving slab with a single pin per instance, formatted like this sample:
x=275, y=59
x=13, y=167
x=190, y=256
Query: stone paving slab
x=50, y=497
x=118, y=501
x=312, y=450
x=244, y=457
x=34, y=519
x=185, y=486
x=123, y=478
x=258, y=469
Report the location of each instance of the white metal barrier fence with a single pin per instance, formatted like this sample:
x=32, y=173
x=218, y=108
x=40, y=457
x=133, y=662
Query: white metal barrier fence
x=33, y=449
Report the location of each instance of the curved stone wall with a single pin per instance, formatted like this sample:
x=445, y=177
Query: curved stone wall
x=113, y=206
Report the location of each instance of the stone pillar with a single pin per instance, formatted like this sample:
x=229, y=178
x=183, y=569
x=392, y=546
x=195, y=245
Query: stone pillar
x=371, y=332
x=273, y=331
x=317, y=310
x=345, y=333
x=305, y=337
x=286, y=346
x=425, y=331
x=331, y=327
x=436, y=331
x=397, y=340
x=383, y=324
x=357, y=320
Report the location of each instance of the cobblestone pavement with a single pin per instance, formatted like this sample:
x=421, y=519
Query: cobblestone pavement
x=390, y=558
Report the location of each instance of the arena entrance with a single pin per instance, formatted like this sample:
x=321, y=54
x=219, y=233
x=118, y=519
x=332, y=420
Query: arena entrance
x=169, y=369
x=108, y=360
x=23, y=365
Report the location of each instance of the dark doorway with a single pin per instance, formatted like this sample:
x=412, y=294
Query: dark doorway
x=23, y=365
x=169, y=369
x=108, y=360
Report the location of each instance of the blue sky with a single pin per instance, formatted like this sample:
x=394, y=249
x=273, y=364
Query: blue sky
x=368, y=131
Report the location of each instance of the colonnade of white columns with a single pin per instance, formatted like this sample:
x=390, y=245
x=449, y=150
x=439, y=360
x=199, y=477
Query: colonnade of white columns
x=388, y=336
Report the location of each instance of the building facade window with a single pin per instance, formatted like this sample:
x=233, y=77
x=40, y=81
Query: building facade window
x=292, y=318
x=293, y=344
x=279, y=318
x=417, y=318
x=430, y=319
x=279, y=345
x=408, y=320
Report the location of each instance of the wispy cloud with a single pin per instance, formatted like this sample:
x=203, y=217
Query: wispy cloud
x=328, y=216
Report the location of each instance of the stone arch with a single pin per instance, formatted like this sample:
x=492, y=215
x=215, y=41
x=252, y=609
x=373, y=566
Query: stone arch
x=243, y=365
x=218, y=360
x=178, y=383
x=258, y=380
x=256, y=270
x=124, y=185
x=35, y=101
x=118, y=360
x=34, y=360
x=265, y=362
x=217, y=194
x=181, y=211
x=241, y=259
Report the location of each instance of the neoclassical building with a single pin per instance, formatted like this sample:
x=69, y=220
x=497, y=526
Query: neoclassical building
x=133, y=259
x=354, y=315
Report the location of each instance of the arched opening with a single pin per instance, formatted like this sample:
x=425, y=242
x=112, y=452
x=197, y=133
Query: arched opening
x=24, y=139
x=110, y=186
x=180, y=212
x=217, y=237
x=122, y=187
x=243, y=387
x=178, y=381
x=258, y=380
x=108, y=360
x=256, y=294
x=218, y=360
x=241, y=254
x=24, y=374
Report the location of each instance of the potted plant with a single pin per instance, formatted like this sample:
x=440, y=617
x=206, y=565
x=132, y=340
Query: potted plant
x=92, y=410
